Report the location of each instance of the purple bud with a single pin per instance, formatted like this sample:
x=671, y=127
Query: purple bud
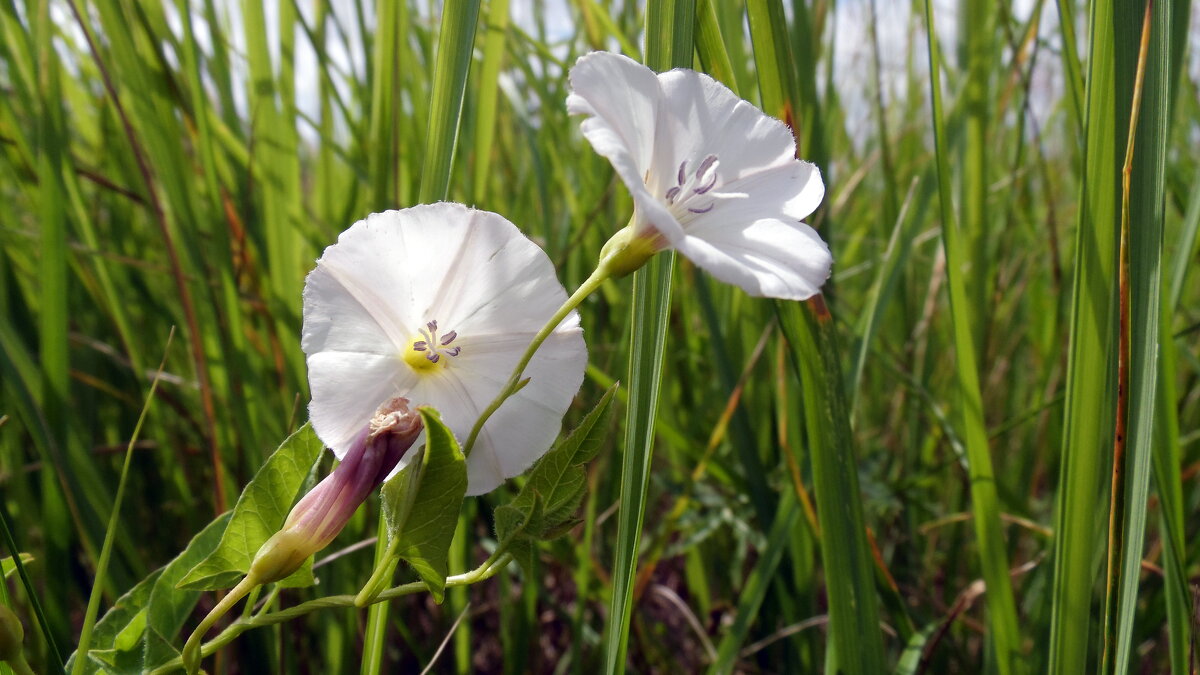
x=322, y=513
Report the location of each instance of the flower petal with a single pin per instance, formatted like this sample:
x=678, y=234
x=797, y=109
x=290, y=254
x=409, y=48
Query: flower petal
x=482, y=280
x=766, y=258
x=706, y=118
x=622, y=96
x=527, y=424
x=792, y=190
x=623, y=99
x=347, y=388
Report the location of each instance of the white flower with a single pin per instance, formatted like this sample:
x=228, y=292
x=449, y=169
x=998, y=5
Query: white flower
x=437, y=303
x=711, y=176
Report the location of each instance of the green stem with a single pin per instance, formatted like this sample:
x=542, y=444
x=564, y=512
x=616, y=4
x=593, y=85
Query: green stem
x=603, y=271
x=192, y=653
x=383, y=571
x=490, y=567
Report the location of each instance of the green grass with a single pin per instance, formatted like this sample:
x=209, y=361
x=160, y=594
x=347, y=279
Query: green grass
x=915, y=474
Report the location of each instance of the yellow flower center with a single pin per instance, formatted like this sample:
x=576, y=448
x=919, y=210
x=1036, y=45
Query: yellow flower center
x=426, y=352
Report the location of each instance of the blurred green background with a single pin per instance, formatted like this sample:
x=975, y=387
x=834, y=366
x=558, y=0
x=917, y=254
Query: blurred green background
x=183, y=163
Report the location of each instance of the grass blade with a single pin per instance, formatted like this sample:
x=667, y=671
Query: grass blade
x=1091, y=367
x=93, y=606
x=1141, y=232
x=755, y=589
x=455, y=44
x=671, y=23
x=856, y=640
x=993, y=557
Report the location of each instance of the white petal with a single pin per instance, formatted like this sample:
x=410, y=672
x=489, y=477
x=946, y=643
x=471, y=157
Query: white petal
x=475, y=274
x=790, y=191
x=706, y=118
x=527, y=424
x=350, y=300
x=623, y=98
x=766, y=258
x=347, y=387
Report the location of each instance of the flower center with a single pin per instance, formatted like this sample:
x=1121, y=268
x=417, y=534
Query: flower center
x=425, y=351
x=690, y=187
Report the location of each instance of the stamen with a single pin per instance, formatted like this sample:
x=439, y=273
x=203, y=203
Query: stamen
x=419, y=346
x=449, y=337
x=682, y=174
x=453, y=351
x=705, y=165
x=712, y=182
x=672, y=194
x=703, y=210
x=432, y=325
x=433, y=357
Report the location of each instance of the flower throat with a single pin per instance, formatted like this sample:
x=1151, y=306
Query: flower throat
x=425, y=352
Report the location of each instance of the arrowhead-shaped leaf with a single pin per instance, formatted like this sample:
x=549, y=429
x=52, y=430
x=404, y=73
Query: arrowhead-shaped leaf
x=511, y=520
x=258, y=514
x=558, y=478
x=421, y=503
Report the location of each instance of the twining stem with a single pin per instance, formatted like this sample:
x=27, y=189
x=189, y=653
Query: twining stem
x=192, y=653
x=489, y=568
x=603, y=271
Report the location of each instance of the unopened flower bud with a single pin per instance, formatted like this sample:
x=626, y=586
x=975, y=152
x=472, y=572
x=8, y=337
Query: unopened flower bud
x=322, y=513
x=12, y=635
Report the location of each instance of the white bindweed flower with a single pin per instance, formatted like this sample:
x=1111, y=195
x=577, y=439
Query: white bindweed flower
x=711, y=176
x=437, y=303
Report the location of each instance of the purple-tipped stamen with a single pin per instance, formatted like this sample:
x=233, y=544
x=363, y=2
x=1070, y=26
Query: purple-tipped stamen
x=672, y=194
x=453, y=351
x=703, y=210
x=449, y=337
x=433, y=357
x=682, y=172
x=712, y=182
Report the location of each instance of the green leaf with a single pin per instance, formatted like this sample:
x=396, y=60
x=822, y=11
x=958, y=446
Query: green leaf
x=168, y=605
x=153, y=603
x=8, y=567
x=120, y=630
x=258, y=514
x=558, y=479
x=1143, y=226
x=421, y=503
x=511, y=520
x=1091, y=382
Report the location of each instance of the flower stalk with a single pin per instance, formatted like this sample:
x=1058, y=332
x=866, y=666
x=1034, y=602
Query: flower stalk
x=489, y=568
x=624, y=253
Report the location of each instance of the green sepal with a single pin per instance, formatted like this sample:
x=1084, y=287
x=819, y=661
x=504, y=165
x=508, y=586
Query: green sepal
x=421, y=503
